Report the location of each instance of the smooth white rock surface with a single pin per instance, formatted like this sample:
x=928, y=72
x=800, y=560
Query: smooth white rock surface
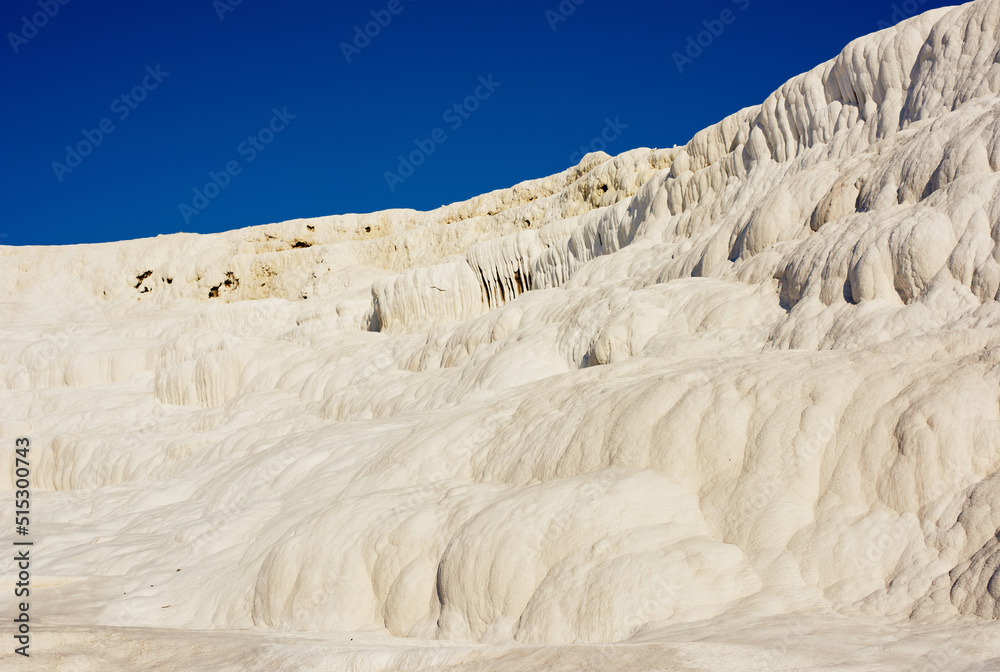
x=729, y=406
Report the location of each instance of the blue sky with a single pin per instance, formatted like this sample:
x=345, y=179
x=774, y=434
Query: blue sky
x=261, y=108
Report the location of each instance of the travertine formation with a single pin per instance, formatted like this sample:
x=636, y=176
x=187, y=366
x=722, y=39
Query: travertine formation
x=752, y=377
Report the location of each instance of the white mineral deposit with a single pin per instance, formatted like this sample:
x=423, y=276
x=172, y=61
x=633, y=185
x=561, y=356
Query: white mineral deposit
x=727, y=406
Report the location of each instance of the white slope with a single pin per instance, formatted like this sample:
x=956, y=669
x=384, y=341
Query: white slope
x=737, y=403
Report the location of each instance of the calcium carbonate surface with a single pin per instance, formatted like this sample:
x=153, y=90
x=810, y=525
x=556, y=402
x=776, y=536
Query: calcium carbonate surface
x=733, y=405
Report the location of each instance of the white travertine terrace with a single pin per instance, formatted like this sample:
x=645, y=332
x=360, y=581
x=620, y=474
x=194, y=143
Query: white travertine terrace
x=659, y=397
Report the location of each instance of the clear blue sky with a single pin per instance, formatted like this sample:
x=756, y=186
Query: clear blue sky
x=220, y=81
